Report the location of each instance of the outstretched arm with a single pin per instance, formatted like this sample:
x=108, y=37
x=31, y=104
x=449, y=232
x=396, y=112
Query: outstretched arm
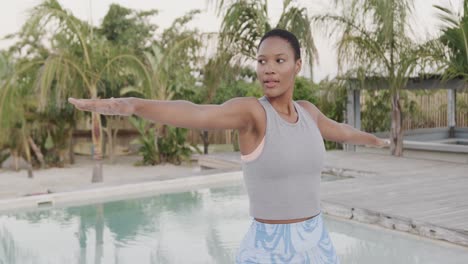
x=340, y=132
x=233, y=114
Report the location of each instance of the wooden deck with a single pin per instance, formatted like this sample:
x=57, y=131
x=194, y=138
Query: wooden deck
x=424, y=197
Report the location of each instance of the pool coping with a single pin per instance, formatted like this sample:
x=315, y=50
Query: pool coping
x=439, y=146
x=125, y=191
x=395, y=222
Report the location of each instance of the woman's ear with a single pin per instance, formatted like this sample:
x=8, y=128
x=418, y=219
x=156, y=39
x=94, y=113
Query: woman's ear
x=298, y=66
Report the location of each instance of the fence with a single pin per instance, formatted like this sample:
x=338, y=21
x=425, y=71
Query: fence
x=431, y=110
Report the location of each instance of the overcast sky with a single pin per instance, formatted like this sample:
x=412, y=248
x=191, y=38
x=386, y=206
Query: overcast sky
x=13, y=14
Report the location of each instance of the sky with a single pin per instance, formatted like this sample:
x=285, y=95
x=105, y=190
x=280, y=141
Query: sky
x=14, y=13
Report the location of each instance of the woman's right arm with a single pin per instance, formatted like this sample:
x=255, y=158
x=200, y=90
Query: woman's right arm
x=236, y=113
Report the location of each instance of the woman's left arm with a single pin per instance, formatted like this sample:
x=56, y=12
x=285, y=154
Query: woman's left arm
x=340, y=132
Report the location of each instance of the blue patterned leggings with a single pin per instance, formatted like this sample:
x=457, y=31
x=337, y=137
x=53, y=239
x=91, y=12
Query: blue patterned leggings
x=302, y=242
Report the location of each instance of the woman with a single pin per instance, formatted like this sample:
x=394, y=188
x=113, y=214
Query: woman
x=282, y=152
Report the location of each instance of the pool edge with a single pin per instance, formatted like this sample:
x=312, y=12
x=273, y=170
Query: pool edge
x=395, y=222
x=109, y=193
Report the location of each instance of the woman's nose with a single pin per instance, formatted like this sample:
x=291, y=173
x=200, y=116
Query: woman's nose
x=269, y=69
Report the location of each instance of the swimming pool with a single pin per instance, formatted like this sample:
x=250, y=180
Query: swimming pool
x=199, y=226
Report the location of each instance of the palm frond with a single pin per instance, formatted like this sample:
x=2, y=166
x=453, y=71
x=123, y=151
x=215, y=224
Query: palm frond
x=297, y=21
x=51, y=11
x=243, y=25
x=455, y=38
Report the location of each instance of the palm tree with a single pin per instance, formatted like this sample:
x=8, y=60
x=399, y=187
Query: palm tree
x=246, y=21
x=22, y=125
x=78, y=64
x=375, y=44
x=129, y=31
x=453, y=53
x=17, y=108
x=172, y=61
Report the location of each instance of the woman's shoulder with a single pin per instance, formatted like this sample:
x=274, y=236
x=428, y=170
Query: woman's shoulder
x=310, y=108
x=249, y=101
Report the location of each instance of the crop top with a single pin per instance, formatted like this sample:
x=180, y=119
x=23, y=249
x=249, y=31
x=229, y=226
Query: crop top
x=283, y=178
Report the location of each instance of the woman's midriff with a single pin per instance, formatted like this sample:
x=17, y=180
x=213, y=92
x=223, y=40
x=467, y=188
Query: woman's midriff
x=287, y=221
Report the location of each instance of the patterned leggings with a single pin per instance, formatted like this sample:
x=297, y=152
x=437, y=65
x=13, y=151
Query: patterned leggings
x=302, y=242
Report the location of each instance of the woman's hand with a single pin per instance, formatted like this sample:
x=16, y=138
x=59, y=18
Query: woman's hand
x=382, y=143
x=112, y=106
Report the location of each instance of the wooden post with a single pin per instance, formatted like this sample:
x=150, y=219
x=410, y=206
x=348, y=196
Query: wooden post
x=451, y=111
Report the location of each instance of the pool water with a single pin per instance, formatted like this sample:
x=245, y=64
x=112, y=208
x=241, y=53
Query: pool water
x=201, y=226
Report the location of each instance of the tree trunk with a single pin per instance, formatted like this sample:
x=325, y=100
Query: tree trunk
x=96, y=133
x=16, y=166
x=37, y=152
x=235, y=139
x=14, y=154
x=114, y=142
x=111, y=131
x=204, y=136
x=28, y=156
x=71, y=152
x=396, y=129
x=110, y=141
x=30, y=172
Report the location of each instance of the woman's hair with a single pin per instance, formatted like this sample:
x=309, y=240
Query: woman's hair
x=286, y=35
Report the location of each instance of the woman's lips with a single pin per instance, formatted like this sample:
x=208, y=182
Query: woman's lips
x=270, y=84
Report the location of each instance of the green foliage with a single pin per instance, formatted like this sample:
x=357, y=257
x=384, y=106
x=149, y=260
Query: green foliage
x=127, y=28
x=93, y=62
x=3, y=156
x=375, y=40
x=18, y=107
x=305, y=89
x=454, y=54
x=147, y=140
x=172, y=60
x=172, y=147
x=375, y=116
x=239, y=88
x=168, y=147
x=331, y=100
x=462, y=105
x=54, y=137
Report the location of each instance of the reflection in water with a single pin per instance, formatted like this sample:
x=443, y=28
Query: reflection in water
x=99, y=234
x=9, y=252
x=218, y=249
x=203, y=226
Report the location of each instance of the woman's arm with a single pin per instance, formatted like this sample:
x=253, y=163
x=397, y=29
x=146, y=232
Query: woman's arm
x=340, y=132
x=233, y=114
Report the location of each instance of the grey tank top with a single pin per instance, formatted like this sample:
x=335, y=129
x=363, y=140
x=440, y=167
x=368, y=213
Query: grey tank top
x=283, y=182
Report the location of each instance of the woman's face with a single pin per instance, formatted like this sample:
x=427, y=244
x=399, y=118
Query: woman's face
x=276, y=66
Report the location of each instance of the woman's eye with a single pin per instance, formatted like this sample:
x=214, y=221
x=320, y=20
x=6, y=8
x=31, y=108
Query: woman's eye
x=261, y=61
x=280, y=60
